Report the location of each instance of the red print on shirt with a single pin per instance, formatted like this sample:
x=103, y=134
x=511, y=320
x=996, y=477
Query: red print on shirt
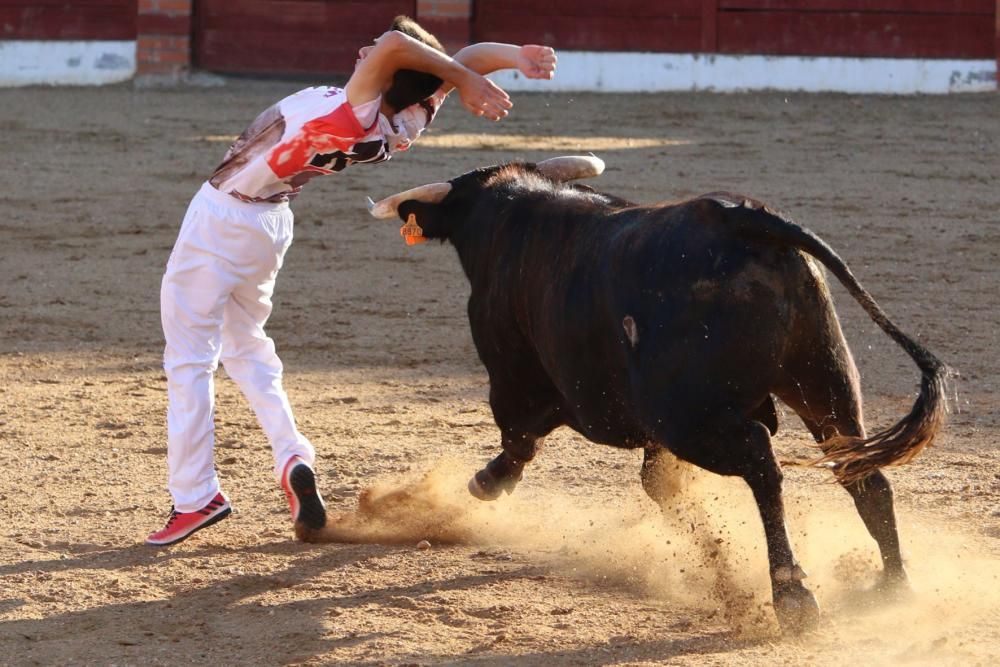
x=338, y=130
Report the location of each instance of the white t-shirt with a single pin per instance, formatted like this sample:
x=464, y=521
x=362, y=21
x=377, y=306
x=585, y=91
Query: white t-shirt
x=312, y=133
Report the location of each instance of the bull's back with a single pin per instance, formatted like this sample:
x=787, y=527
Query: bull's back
x=651, y=310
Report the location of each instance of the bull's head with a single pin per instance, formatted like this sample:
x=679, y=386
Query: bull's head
x=437, y=208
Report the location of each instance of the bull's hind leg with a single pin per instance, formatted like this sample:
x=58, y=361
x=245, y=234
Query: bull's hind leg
x=727, y=444
x=823, y=390
x=656, y=482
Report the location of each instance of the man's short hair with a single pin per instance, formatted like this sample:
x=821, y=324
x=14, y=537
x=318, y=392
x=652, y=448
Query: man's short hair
x=410, y=86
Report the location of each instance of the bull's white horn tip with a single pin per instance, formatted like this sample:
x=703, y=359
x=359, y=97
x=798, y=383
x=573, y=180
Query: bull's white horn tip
x=369, y=203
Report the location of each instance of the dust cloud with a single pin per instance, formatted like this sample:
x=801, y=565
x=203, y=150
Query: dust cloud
x=705, y=550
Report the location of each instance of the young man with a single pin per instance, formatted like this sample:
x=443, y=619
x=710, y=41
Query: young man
x=216, y=292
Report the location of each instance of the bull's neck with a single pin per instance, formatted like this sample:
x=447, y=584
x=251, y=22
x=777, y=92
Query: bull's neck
x=508, y=240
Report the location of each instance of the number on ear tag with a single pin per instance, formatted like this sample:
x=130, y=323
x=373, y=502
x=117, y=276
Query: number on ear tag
x=411, y=231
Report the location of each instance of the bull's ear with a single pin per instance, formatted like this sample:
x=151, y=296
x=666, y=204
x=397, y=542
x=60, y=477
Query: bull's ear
x=571, y=167
x=386, y=208
x=429, y=217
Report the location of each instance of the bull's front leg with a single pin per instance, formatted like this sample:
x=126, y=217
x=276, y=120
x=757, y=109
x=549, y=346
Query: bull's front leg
x=526, y=412
x=504, y=472
x=523, y=427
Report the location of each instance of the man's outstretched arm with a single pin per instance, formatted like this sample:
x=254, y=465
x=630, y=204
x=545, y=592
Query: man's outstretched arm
x=394, y=51
x=532, y=60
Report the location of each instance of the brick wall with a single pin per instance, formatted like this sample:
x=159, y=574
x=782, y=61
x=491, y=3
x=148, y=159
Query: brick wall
x=163, y=43
x=449, y=20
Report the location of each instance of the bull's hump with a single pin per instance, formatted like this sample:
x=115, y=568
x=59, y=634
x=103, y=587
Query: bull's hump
x=731, y=200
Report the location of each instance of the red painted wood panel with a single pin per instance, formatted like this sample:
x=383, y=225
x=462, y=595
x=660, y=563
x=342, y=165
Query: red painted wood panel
x=68, y=19
x=856, y=34
x=67, y=3
x=904, y=6
x=288, y=36
x=861, y=28
x=597, y=25
x=709, y=26
x=530, y=10
x=606, y=34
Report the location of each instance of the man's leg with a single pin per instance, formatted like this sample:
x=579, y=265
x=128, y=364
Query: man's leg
x=193, y=294
x=249, y=357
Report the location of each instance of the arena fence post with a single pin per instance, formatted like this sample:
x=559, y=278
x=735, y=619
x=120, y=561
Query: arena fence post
x=449, y=20
x=163, y=42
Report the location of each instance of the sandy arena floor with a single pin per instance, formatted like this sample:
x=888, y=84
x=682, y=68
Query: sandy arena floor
x=577, y=567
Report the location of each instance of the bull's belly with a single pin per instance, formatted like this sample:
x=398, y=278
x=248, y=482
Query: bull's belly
x=601, y=422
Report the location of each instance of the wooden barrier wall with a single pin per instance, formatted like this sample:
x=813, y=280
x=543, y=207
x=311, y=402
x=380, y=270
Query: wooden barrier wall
x=288, y=36
x=860, y=28
x=84, y=20
x=593, y=25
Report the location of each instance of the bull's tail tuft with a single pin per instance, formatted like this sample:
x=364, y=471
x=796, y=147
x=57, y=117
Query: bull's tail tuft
x=852, y=458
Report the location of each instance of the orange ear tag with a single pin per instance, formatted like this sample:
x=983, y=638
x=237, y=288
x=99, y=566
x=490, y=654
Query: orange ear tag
x=412, y=232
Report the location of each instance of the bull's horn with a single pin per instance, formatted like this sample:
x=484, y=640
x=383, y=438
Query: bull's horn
x=571, y=167
x=431, y=193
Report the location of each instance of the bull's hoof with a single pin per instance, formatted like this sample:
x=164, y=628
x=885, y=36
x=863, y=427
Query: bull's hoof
x=485, y=486
x=796, y=608
x=479, y=491
x=893, y=586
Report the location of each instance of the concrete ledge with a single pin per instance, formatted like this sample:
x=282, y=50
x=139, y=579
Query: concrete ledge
x=57, y=63
x=579, y=71
x=180, y=78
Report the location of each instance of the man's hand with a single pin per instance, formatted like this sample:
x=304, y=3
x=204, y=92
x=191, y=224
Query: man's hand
x=537, y=62
x=482, y=97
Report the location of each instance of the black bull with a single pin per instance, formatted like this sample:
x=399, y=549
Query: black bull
x=668, y=326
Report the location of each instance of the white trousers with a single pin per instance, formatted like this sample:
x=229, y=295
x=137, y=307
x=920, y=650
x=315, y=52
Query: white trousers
x=214, y=300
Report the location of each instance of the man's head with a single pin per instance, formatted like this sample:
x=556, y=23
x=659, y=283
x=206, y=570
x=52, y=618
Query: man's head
x=409, y=86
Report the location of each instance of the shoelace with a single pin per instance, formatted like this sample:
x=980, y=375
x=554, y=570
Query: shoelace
x=173, y=516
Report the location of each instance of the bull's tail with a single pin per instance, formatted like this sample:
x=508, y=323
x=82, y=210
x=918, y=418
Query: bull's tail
x=854, y=458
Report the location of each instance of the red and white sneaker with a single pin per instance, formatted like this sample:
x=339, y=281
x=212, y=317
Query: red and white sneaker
x=299, y=483
x=181, y=525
